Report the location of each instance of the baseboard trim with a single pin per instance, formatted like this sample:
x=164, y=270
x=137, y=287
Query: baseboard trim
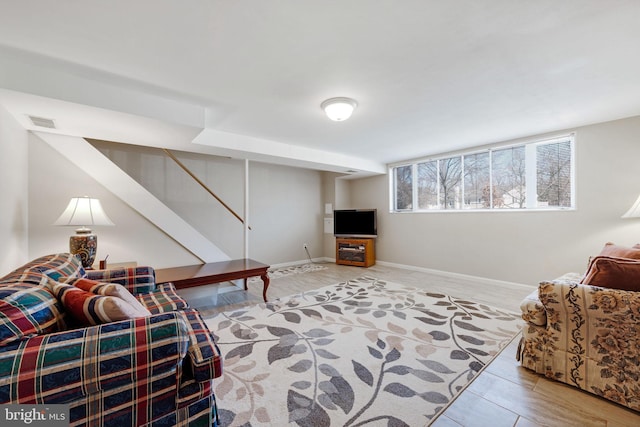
x=454, y=275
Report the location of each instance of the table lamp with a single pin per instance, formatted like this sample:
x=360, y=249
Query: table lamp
x=85, y=212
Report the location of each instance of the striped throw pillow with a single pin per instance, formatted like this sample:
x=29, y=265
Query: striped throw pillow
x=88, y=308
x=109, y=290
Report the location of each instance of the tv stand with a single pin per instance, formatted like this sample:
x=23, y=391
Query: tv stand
x=355, y=251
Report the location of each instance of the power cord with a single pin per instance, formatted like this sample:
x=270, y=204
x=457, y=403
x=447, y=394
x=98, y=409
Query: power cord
x=306, y=249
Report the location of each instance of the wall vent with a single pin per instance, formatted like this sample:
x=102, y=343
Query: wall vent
x=42, y=122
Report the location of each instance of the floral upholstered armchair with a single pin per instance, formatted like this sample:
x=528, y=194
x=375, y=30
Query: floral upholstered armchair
x=584, y=332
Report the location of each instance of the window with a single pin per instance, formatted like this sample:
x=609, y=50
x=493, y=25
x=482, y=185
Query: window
x=508, y=178
x=476, y=181
x=403, y=184
x=535, y=175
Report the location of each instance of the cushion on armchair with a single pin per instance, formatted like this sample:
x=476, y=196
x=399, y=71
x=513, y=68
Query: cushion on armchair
x=163, y=299
x=57, y=265
x=109, y=290
x=91, y=309
x=26, y=310
x=613, y=273
x=613, y=250
x=51, y=266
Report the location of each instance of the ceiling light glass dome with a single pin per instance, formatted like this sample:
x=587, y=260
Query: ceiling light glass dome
x=339, y=109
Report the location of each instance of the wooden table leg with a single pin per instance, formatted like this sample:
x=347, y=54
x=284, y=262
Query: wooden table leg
x=265, y=280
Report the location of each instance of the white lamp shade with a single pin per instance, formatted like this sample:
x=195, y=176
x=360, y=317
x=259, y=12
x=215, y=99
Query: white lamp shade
x=339, y=109
x=634, y=211
x=83, y=211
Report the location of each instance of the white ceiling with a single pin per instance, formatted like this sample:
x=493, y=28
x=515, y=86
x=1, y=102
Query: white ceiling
x=429, y=76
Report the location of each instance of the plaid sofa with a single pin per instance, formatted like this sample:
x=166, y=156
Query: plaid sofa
x=155, y=370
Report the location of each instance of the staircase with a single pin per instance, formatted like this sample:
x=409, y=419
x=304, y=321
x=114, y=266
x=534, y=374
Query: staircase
x=82, y=154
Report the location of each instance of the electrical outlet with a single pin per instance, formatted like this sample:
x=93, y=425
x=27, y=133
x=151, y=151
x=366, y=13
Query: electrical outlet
x=305, y=246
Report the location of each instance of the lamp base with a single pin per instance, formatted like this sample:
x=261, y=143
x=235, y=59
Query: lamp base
x=85, y=246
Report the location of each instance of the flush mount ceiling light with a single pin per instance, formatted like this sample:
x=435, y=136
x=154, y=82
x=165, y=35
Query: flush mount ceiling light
x=339, y=109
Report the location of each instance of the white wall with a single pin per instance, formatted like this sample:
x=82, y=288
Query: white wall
x=13, y=193
x=523, y=247
x=286, y=212
x=284, y=206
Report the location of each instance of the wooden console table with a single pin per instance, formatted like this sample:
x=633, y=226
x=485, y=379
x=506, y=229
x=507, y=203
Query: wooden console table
x=215, y=272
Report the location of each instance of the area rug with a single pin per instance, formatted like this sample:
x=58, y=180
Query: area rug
x=275, y=273
x=362, y=352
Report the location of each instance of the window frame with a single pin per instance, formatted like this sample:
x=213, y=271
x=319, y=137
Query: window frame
x=530, y=147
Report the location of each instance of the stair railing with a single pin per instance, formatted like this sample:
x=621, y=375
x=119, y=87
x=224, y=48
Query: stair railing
x=203, y=185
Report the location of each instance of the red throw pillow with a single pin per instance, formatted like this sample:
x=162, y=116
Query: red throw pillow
x=613, y=273
x=613, y=250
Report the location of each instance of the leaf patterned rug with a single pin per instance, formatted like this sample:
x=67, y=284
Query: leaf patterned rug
x=362, y=352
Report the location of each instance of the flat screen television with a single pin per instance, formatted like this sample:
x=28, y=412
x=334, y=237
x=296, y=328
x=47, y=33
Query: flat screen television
x=355, y=223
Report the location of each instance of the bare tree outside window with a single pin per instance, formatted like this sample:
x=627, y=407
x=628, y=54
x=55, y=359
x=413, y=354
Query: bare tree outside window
x=404, y=188
x=450, y=178
x=477, y=181
x=554, y=174
x=439, y=184
x=509, y=176
x=428, y=185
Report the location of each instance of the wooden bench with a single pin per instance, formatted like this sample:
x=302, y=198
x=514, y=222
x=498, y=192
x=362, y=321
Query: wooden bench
x=215, y=272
